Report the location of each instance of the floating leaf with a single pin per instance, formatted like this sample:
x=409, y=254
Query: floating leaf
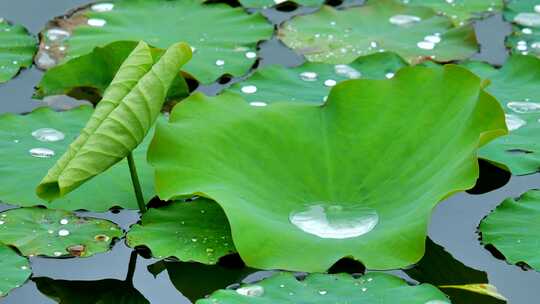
x=26, y=159
x=377, y=288
x=304, y=185
x=525, y=17
x=270, y=3
x=17, y=49
x=129, y=107
x=510, y=229
x=225, y=43
x=416, y=33
x=517, y=87
x=461, y=11
x=190, y=231
x=90, y=292
x=313, y=81
x=87, y=76
x=15, y=269
x=55, y=233
x=464, y=285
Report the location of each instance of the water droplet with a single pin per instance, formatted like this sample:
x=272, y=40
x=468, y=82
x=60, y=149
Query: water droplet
x=220, y=62
x=513, y=122
x=63, y=232
x=102, y=7
x=330, y=82
x=527, y=19
x=251, y=55
x=24, y=267
x=436, y=302
x=524, y=106
x=258, y=104
x=2, y=222
x=96, y=22
x=335, y=221
x=433, y=38
x=309, y=76
x=323, y=292
x=44, y=60
x=57, y=34
x=50, y=231
x=426, y=45
x=251, y=291
x=41, y=152
x=57, y=253
x=209, y=250
x=249, y=89
x=347, y=71
x=389, y=75
x=364, y=289
x=526, y=31
x=194, y=240
x=373, y=44
x=402, y=20
x=537, y=8
x=281, y=286
x=64, y=221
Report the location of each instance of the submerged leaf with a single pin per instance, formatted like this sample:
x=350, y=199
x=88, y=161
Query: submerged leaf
x=371, y=288
x=304, y=185
x=55, y=233
x=15, y=269
x=510, y=228
x=17, y=49
x=190, y=231
x=129, y=107
x=414, y=32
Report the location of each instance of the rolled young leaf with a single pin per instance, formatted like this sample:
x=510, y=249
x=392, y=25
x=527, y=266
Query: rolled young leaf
x=129, y=107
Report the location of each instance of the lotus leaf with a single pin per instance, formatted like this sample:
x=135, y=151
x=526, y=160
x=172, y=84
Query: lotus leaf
x=226, y=45
x=461, y=11
x=414, y=32
x=55, y=233
x=15, y=270
x=35, y=141
x=270, y=3
x=357, y=176
x=129, y=107
x=283, y=287
x=190, y=231
x=313, y=81
x=17, y=49
x=517, y=87
x=525, y=16
x=510, y=229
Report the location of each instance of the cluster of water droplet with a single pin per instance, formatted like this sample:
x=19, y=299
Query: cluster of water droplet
x=528, y=20
x=46, y=135
x=515, y=121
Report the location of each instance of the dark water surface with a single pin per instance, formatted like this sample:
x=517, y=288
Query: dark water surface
x=453, y=224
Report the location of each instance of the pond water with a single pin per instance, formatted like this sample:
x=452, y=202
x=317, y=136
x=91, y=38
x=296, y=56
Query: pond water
x=453, y=224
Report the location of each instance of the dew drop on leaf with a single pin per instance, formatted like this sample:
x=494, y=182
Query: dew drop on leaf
x=251, y=291
x=41, y=152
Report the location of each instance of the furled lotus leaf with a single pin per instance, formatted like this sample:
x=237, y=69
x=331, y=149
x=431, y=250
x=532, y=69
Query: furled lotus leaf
x=284, y=288
x=304, y=185
x=517, y=87
x=510, y=229
x=15, y=269
x=17, y=49
x=461, y=11
x=32, y=143
x=190, y=231
x=55, y=233
x=270, y=3
x=129, y=107
x=87, y=76
x=312, y=81
x=414, y=32
x=525, y=18
x=224, y=39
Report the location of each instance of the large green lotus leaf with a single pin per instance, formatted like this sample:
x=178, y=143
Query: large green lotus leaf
x=224, y=38
x=461, y=11
x=371, y=288
x=270, y=3
x=90, y=292
x=15, y=270
x=416, y=33
x=196, y=281
x=190, y=231
x=511, y=229
x=525, y=17
x=313, y=81
x=464, y=285
x=304, y=185
x=129, y=107
x=87, y=76
x=26, y=159
x=55, y=233
x=17, y=49
x=517, y=87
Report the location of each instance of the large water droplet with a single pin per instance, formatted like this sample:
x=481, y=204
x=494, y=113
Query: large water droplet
x=251, y=291
x=402, y=20
x=527, y=19
x=514, y=122
x=330, y=82
x=41, y=152
x=64, y=221
x=426, y=45
x=249, y=89
x=347, y=71
x=433, y=38
x=63, y=232
x=335, y=221
x=308, y=76
x=102, y=7
x=524, y=106
x=96, y=22
x=48, y=135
